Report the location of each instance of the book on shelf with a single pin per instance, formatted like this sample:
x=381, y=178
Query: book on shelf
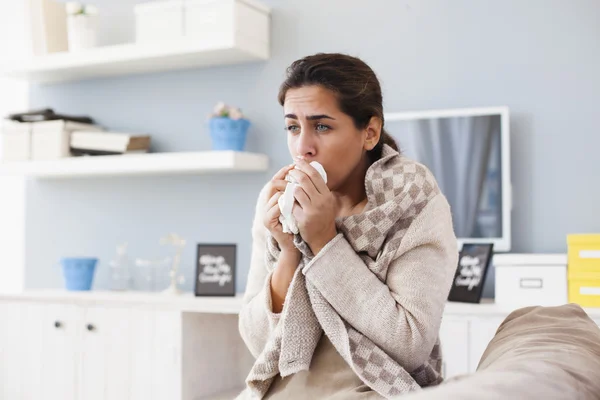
x=105, y=143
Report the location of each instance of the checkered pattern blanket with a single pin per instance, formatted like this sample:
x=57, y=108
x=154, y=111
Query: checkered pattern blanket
x=397, y=189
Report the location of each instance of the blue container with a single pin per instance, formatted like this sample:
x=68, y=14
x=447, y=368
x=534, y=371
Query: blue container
x=78, y=272
x=228, y=134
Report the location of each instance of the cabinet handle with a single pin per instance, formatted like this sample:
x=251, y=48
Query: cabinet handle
x=90, y=327
x=58, y=324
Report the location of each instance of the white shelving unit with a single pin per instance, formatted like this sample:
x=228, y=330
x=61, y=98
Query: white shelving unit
x=138, y=58
x=139, y=164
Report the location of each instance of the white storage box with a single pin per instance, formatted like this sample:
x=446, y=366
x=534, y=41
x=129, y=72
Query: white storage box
x=158, y=21
x=46, y=27
x=51, y=139
x=531, y=279
x=15, y=141
x=230, y=20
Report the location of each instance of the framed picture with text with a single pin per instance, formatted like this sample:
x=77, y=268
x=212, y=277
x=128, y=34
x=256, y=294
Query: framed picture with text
x=215, y=270
x=473, y=264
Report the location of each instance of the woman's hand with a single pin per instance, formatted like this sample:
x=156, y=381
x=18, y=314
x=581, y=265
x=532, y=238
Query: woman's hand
x=290, y=256
x=317, y=211
x=275, y=189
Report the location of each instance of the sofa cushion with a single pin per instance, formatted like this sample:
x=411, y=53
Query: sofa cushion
x=537, y=353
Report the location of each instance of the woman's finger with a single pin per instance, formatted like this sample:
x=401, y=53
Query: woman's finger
x=273, y=200
x=313, y=174
x=306, y=183
x=274, y=212
x=280, y=175
x=272, y=217
x=278, y=185
x=298, y=213
x=278, y=182
x=302, y=197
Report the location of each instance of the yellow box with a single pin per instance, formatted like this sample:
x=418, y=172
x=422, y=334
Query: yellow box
x=584, y=253
x=584, y=289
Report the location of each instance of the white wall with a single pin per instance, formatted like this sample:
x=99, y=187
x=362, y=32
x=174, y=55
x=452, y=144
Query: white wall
x=13, y=97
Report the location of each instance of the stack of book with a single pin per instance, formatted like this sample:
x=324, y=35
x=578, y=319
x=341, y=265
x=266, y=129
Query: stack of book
x=107, y=143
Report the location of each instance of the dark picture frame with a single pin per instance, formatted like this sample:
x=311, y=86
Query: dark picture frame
x=473, y=264
x=215, y=270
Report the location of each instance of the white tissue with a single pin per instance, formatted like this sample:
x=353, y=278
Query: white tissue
x=287, y=200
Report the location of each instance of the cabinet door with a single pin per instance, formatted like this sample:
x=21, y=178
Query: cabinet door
x=11, y=347
x=155, y=354
x=482, y=331
x=32, y=337
x=142, y=354
x=454, y=337
x=105, y=361
x=167, y=367
x=61, y=332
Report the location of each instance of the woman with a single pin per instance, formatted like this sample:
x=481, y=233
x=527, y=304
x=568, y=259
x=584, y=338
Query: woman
x=351, y=306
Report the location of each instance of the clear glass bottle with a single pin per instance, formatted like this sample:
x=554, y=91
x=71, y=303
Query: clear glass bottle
x=120, y=270
x=150, y=274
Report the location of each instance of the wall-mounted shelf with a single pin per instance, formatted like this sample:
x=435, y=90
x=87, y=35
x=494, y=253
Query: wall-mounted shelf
x=139, y=164
x=186, y=302
x=138, y=58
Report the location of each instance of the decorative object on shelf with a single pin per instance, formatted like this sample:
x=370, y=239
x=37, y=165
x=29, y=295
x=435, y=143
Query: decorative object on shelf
x=108, y=143
x=228, y=128
x=215, y=270
x=48, y=114
x=120, y=276
x=214, y=19
x=146, y=273
x=174, y=278
x=78, y=272
x=524, y=280
x=50, y=140
x=473, y=264
x=15, y=141
x=158, y=21
x=46, y=27
x=584, y=269
x=82, y=25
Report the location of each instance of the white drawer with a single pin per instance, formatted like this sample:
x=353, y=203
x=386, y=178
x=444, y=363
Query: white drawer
x=525, y=285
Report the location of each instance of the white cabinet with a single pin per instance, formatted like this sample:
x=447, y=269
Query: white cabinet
x=454, y=336
x=113, y=347
x=482, y=332
x=11, y=345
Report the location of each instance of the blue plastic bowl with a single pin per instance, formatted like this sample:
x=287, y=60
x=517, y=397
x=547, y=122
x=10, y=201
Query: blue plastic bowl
x=78, y=272
x=228, y=134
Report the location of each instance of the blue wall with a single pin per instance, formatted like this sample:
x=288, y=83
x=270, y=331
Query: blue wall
x=539, y=57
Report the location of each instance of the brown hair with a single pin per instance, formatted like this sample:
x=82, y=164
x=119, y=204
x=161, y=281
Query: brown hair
x=354, y=83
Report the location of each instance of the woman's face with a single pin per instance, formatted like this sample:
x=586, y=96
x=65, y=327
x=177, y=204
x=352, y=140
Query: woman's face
x=318, y=130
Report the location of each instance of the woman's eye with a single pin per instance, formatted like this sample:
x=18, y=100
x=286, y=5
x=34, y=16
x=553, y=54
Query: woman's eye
x=322, y=128
x=293, y=128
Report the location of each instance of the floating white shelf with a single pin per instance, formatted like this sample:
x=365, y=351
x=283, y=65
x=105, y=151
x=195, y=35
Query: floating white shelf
x=186, y=302
x=137, y=58
x=139, y=164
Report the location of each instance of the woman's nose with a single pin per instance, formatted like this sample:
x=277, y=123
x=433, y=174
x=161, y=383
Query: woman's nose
x=305, y=145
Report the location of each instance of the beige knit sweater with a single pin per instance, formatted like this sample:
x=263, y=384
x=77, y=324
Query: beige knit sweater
x=387, y=289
